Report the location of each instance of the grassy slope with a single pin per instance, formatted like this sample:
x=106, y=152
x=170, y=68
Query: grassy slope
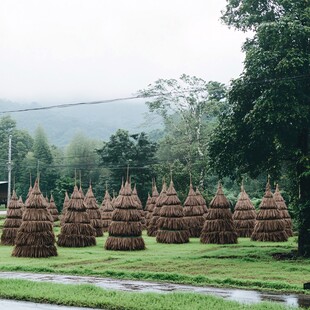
x=91, y=296
x=247, y=264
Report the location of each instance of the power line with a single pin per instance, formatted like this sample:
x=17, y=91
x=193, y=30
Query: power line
x=69, y=105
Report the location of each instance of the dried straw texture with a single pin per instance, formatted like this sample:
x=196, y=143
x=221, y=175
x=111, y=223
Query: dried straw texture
x=53, y=209
x=172, y=227
x=147, y=204
x=113, y=200
x=35, y=236
x=151, y=207
x=201, y=202
x=139, y=204
x=193, y=213
x=12, y=222
x=125, y=230
x=64, y=209
x=118, y=197
x=93, y=212
x=106, y=211
x=28, y=194
x=77, y=230
x=21, y=204
x=283, y=211
x=81, y=192
x=269, y=225
x=153, y=226
x=219, y=226
x=244, y=215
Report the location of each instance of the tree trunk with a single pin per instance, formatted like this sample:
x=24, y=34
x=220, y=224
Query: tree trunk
x=304, y=196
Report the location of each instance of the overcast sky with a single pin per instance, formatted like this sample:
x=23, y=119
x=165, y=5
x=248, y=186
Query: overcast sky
x=63, y=51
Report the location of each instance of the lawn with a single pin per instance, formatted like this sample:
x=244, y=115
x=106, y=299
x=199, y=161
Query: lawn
x=246, y=264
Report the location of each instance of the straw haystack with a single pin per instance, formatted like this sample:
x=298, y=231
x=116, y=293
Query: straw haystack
x=283, y=211
x=201, y=202
x=172, y=227
x=106, y=211
x=125, y=230
x=64, y=208
x=28, y=194
x=76, y=230
x=35, y=236
x=151, y=207
x=139, y=204
x=53, y=209
x=193, y=213
x=153, y=227
x=148, y=201
x=269, y=225
x=244, y=215
x=119, y=194
x=93, y=212
x=12, y=222
x=21, y=204
x=81, y=192
x=113, y=199
x=219, y=227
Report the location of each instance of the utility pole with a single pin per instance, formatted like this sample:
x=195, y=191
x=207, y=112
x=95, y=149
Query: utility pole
x=9, y=170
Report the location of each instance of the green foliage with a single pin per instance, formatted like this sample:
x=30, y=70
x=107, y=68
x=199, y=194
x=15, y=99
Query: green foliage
x=250, y=14
x=44, y=159
x=63, y=183
x=267, y=126
x=21, y=144
x=189, y=107
x=81, y=155
x=122, y=150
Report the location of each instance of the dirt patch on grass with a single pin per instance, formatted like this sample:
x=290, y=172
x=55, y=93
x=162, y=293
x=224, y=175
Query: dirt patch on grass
x=285, y=256
x=85, y=262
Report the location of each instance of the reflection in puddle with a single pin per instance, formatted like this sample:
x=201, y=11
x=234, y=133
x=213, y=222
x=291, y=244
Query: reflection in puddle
x=243, y=296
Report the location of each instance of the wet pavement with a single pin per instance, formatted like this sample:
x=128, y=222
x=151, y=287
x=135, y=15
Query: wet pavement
x=25, y=305
x=243, y=296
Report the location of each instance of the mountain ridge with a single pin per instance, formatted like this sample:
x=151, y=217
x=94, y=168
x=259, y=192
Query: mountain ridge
x=95, y=121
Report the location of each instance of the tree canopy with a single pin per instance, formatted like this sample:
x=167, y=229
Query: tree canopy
x=137, y=151
x=267, y=125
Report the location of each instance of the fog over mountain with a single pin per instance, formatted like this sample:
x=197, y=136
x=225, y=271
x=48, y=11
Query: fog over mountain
x=95, y=121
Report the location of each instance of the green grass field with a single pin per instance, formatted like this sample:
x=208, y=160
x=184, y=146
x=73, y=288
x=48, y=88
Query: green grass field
x=91, y=296
x=247, y=264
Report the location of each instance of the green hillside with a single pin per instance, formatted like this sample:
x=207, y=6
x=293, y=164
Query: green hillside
x=96, y=121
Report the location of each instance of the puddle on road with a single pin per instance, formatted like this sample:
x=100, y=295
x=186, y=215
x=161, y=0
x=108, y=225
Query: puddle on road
x=243, y=296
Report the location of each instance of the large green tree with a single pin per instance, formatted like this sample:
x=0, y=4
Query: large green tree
x=189, y=107
x=267, y=125
x=81, y=155
x=44, y=161
x=135, y=150
x=21, y=145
